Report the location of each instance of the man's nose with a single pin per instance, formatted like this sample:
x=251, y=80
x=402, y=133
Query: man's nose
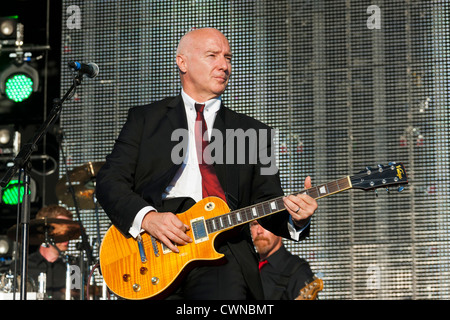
x=223, y=63
x=259, y=229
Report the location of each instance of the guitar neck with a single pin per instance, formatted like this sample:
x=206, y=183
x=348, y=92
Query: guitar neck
x=250, y=213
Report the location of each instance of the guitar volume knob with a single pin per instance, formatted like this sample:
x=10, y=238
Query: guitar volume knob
x=126, y=277
x=143, y=270
x=136, y=287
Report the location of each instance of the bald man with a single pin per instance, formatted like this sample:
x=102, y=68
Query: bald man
x=141, y=186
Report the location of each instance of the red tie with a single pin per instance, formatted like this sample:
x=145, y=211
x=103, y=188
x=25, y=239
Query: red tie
x=210, y=183
x=262, y=264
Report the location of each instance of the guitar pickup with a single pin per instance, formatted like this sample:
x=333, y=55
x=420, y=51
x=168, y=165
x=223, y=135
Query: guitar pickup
x=199, y=230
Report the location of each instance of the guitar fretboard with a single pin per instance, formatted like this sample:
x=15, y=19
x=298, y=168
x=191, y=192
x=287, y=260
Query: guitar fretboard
x=247, y=214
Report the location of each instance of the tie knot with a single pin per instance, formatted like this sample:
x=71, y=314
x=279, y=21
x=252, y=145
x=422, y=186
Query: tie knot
x=199, y=107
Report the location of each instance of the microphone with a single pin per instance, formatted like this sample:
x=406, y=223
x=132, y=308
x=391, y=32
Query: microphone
x=90, y=69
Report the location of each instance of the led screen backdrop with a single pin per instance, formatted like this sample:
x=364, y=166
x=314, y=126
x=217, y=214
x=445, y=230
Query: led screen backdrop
x=347, y=84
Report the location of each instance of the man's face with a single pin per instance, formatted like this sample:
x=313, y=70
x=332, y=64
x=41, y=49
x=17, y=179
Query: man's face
x=205, y=64
x=265, y=241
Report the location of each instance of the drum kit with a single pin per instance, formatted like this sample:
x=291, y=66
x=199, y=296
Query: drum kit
x=76, y=189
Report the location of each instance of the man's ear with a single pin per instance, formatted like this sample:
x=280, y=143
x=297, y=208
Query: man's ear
x=181, y=63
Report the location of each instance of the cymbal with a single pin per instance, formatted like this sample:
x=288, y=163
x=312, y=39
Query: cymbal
x=83, y=179
x=60, y=230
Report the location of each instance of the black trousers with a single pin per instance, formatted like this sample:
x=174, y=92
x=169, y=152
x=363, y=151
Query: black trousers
x=221, y=282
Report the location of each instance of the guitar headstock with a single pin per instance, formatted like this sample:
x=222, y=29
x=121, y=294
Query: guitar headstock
x=310, y=291
x=381, y=176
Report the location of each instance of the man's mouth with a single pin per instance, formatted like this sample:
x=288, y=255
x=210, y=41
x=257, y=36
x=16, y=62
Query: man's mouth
x=259, y=239
x=221, y=79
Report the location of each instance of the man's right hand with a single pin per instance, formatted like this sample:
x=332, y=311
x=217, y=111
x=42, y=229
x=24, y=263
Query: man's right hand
x=167, y=228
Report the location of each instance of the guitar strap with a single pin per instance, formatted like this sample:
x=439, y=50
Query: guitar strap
x=232, y=186
x=176, y=205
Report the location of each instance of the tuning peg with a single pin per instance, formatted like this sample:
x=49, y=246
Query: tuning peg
x=401, y=188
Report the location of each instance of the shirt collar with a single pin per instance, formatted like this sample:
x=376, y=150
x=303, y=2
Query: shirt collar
x=211, y=106
x=277, y=258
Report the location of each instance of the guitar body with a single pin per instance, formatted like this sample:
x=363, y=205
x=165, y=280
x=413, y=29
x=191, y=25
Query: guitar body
x=131, y=277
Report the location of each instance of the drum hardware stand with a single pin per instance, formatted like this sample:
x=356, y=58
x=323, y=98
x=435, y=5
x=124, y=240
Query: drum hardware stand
x=84, y=246
x=22, y=164
x=97, y=217
x=64, y=257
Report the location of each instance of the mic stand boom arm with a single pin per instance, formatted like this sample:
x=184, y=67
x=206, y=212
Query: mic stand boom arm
x=22, y=163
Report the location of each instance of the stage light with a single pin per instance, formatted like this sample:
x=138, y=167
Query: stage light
x=6, y=136
x=8, y=29
x=19, y=82
x=6, y=246
x=10, y=141
x=10, y=193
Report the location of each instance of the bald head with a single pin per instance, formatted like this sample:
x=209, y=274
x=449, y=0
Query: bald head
x=204, y=61
x=194, y=37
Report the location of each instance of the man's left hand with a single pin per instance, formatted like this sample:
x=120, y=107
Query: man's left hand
x=301, y=207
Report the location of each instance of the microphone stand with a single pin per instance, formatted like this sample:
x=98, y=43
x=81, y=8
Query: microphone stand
x=22, y=164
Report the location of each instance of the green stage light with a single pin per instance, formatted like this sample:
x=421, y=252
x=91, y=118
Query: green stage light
x=10, y=194
x=19, y=82
x=19, y=87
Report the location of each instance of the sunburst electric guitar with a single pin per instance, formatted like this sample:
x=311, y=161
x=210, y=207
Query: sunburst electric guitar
x=143, y=268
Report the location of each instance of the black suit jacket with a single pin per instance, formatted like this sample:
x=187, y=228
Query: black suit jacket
x=140, y=167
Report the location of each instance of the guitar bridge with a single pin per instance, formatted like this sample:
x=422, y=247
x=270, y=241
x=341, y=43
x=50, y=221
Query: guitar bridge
x=155, y=246
x=141, y=249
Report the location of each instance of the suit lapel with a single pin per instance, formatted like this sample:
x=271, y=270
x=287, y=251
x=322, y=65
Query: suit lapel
x=175, y=120
x=176, y=113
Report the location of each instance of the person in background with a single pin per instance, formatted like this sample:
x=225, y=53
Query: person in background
x=48, y=259
x=283, y=274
